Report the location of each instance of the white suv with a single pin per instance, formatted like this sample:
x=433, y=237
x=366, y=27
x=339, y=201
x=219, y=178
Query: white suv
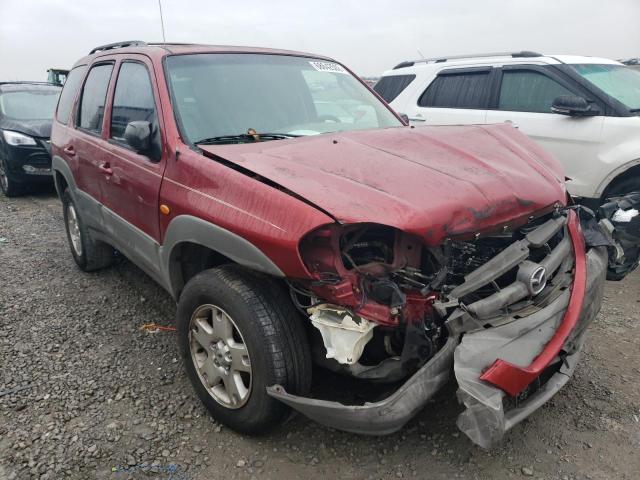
x=583, y=110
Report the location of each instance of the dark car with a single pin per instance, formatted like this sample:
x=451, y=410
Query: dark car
x=26, y=113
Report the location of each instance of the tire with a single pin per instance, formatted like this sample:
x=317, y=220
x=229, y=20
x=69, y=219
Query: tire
x=9, y=187
x=88, y=253
x=268, y=326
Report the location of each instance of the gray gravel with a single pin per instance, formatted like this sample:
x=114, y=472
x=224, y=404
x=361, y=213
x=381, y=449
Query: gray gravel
x=85, y=394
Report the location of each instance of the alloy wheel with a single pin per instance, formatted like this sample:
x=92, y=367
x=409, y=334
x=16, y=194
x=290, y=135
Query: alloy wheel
x=73, y=226
x=220, y=356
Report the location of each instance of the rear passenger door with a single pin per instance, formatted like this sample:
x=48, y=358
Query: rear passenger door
x=86, y=147
x=457, y=96
x=525, y=95
x=132, y=184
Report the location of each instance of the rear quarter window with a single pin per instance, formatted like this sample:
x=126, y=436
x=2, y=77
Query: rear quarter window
x=69, y=92
x=392, y=86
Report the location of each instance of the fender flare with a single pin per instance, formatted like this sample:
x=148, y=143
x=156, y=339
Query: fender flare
x=190, y=229
x=58, y=165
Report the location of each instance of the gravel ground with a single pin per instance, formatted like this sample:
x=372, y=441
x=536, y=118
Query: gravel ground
x=95, y=397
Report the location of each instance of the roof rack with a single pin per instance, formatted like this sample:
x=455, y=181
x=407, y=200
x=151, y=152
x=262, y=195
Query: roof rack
x=522, y=54
x=111, y=46
x=160, y=44
x=28, y=82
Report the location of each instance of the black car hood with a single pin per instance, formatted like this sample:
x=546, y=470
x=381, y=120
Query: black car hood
x=33, y=128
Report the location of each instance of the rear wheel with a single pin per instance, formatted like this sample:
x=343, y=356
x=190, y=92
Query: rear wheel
x=8, y=186
x=238, y=334
x=89, y=254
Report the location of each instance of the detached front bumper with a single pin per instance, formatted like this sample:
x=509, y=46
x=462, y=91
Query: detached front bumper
x=519, y=342
x=386, y=416
x=543, y=345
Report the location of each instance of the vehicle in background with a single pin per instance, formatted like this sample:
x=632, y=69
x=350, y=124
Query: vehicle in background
x=295, y=218
x=633, y=63
x=26, y=113
x=585, y=111
x=57, y=76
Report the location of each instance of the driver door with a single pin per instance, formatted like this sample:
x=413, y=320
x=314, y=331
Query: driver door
x=132, y=181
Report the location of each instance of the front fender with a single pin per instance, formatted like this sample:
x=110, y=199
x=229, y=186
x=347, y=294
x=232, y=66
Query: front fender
x=189, y=229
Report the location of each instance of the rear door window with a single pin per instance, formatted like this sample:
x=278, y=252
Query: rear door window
x=69, y=93
x=94, y=94
x=528, y=91
x=392, y=86
x=459, y=89
x=133, y=99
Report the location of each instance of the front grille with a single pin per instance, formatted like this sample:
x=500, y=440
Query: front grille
x=503, y=274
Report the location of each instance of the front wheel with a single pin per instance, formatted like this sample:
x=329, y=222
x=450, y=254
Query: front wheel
x=9, y=187
x=239, y=334
x=632, y=255
x=622, y=187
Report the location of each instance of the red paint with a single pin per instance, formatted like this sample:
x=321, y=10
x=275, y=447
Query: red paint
x=434, y=182
x=514, y=379
x=430, y=183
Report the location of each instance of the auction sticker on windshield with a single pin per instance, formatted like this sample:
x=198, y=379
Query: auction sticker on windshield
x=328, y=67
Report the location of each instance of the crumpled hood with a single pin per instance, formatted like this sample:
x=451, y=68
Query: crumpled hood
x=33, y=128
x=435, y=182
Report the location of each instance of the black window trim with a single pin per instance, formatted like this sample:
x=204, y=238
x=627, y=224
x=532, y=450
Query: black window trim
x=491, y=70
x=81, y=94
x=120, y=143
x=552, y=73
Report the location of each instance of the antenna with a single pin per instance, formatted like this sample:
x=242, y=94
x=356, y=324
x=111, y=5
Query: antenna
x=161, y=21
x=419, y=52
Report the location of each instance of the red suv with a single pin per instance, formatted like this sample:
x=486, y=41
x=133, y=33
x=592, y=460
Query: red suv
x=296, y=219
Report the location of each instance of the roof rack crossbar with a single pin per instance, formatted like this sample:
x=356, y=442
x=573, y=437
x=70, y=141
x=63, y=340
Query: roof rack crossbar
x=111, y=46
x=521, y=54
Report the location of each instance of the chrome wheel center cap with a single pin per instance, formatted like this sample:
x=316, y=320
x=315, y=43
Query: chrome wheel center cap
x=221, y=354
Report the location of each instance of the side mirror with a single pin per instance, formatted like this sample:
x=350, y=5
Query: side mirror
x=404, y=117
x=138, y=135
x=574, y=106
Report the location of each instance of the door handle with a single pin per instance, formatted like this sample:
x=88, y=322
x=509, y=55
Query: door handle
x=105, y=168
x=70, y=150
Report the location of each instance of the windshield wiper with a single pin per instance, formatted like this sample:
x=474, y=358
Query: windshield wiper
x=634, y=110
x=244, y=138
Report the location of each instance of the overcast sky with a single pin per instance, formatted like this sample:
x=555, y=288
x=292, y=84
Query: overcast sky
x=368, y=35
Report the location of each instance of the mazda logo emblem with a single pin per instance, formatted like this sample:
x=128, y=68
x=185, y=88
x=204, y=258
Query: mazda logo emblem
x=538, y=280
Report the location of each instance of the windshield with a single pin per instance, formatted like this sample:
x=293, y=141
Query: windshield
x=218, y=95
x=29, y=104
x=618, y=81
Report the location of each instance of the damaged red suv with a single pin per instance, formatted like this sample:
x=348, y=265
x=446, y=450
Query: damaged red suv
x=296, y=220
